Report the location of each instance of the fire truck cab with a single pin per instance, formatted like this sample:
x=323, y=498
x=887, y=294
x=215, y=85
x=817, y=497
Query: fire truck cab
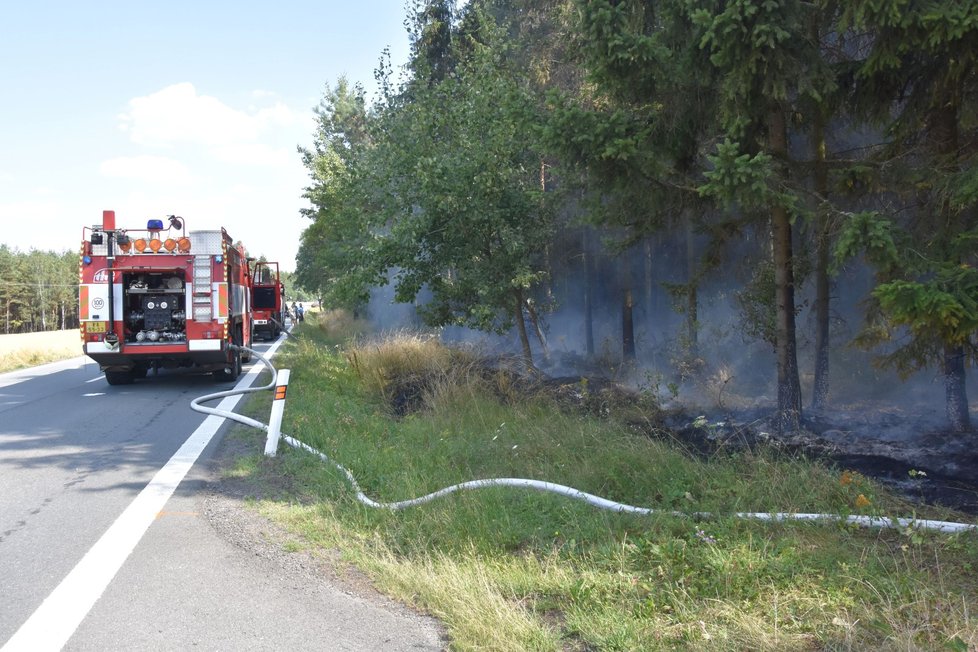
x=162, y=297
x=267, y=300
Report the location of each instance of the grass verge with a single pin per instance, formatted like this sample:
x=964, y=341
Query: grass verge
x=515, y=570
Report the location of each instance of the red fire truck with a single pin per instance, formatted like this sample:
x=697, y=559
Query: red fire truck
x=267, y=300
x=162, y=297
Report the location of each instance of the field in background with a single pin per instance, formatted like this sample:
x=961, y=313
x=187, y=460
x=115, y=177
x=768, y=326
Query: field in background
x=20, y=350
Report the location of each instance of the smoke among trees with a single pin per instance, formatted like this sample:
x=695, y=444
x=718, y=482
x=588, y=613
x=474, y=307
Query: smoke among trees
x=759, y=198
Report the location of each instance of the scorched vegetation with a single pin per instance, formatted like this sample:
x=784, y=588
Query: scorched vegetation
x=510, y=569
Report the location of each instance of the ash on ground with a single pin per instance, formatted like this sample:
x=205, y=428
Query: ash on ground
x=905, y=448
x=905, y=451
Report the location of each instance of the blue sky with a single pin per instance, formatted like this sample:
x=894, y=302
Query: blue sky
x=193, y=108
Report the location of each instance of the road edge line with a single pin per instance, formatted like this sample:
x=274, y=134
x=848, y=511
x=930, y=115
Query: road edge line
x=54, y=622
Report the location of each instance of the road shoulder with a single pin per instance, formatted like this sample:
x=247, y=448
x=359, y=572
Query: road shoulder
x=223, y=502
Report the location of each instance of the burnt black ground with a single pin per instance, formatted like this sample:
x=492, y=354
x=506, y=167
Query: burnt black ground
x=903, y=452
x=902, y=446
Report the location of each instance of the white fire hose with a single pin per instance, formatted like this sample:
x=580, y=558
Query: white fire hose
x=563, y=490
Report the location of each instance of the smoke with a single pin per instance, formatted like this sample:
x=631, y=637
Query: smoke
x=723, y=369
x=385, y=314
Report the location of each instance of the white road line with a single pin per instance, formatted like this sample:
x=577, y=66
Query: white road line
x=54, y=622
x=96, y=378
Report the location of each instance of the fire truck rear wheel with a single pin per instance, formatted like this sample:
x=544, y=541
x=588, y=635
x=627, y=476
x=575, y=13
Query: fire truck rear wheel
x=231, y=372
x=119, y=377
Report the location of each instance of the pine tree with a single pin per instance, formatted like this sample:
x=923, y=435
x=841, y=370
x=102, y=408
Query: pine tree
x=918, y=81
x=768, y=62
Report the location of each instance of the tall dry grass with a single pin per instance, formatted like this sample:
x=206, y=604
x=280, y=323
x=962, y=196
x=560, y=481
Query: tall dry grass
x=21, y=350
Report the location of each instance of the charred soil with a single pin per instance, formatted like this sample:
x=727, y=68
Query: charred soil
x=900, y=449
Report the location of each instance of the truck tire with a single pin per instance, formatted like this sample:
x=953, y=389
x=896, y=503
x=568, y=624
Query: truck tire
x=245, y=356
x=119, y=377
x=230, y=373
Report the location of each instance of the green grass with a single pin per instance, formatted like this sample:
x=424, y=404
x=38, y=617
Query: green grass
x=509, y=569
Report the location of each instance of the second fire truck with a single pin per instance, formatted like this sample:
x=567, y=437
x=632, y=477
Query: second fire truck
x=267, y=300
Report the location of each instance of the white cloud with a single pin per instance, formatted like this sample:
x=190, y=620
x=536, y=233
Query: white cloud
x=157, y=169
x=177, y=115
x=215, y=164
x=255, y=154
x=278, y=114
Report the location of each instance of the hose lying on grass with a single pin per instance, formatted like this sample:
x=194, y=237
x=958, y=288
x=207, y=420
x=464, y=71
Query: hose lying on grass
x=563, y=490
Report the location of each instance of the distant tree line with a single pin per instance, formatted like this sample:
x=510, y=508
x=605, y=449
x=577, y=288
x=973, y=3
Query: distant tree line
x=38, y=290
x=292, y=291
x=632, y=155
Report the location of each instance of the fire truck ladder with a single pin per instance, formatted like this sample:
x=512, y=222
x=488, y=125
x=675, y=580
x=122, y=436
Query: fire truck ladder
x=203, y=304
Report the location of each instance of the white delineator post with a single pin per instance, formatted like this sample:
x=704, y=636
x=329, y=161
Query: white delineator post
x=278, y=408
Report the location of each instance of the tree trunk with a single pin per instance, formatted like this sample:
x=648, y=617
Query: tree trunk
x=521, y=327
x=650, y=311
x=692, y=316
x=627, y=326
x=820, y=391
x=588, y=294
x=649, y=286
x=789, y=386
x=535, y=321
x=955, y=388
x=548, y=283
x=955, y=385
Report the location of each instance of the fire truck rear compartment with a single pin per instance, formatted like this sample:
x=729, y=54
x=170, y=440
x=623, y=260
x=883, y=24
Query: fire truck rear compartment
x=154, y=320
x=154, y=307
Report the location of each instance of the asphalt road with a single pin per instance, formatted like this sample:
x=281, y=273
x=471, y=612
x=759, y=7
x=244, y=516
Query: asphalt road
x=96, y=553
